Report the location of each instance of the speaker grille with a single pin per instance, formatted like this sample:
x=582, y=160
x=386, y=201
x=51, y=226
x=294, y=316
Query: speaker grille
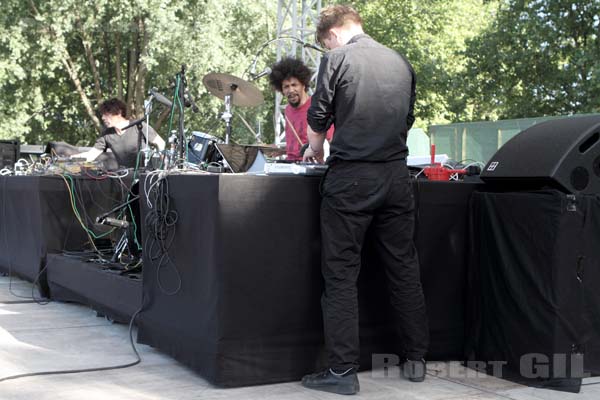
x=580, y=178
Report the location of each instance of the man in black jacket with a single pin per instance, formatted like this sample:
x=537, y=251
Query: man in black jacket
x=368, y=91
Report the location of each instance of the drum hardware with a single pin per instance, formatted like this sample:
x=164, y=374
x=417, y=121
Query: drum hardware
x=234, y=92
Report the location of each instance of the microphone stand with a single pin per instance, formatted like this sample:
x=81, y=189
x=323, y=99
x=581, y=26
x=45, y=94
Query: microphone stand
x=100, y=218
x=127, y=236
x=147, y=111
x=228, y=113
x=180, y=97
x=181, y=94
x=250, y=70
x=139, y=123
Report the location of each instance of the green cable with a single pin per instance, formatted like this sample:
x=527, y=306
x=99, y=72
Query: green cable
x=76, y=211
x=175, y=95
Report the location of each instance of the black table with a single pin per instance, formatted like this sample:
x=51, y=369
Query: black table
x=246, y=255
x=37, y=218
x=533, y=285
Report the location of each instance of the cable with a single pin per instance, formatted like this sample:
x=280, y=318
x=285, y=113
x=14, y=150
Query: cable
x=42, y=301
x=77, y=216
x=470, y=386
x=77, y=371
x=149, y=184
x=160, y=222
x=115, y=174
x=92, y=196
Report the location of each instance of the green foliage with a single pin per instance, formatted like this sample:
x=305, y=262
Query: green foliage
x=121, y=49
x=475, y=59
x=432, y=34
x=537, y=58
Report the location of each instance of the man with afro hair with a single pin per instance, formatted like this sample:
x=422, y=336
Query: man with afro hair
x=291, y=77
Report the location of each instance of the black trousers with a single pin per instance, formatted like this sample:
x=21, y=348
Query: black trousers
x=356, y=196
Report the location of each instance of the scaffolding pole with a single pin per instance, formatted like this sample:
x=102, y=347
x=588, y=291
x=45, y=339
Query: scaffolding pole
x=298, y=19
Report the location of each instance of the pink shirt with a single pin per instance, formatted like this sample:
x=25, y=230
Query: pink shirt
x=297, y=117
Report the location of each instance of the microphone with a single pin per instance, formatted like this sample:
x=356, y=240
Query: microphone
x=117, y=223
x=134, y=123
x=266, y=71
x=160, y=98
x=314, y=47
x=188, y=99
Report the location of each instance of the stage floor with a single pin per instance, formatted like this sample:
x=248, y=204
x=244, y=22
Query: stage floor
x=38, y=338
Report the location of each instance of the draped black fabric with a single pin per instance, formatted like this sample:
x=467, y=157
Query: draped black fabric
x=21, y=231
x=533, y=286
x=246, y=252
x=36, y=218
x=103, y=287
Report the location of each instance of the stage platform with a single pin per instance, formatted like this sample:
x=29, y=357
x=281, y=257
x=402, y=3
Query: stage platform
x=37, y=219
x=237, y=296
x=233, y=289
x=61, y=336
x=106, y=288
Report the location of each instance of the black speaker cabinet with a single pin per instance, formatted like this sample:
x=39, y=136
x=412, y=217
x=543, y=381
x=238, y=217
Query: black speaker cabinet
x=562, y=153
x=9, y=153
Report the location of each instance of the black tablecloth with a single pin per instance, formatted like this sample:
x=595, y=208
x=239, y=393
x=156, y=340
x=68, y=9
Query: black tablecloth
x=246, y=252
x=534, y=285
x=108, y=291
x=37, y=218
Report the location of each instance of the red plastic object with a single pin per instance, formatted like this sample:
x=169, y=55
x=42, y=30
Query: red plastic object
x=439, y=173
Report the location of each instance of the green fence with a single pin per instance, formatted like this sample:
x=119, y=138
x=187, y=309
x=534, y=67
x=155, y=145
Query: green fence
x=479, y=141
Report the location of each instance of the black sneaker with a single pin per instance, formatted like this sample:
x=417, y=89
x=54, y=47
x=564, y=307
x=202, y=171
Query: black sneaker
x=327, y=381
x=414, y=370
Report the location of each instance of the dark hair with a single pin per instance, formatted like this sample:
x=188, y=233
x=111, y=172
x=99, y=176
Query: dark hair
x=289, y=68
x=113, y=106
x=335, y=16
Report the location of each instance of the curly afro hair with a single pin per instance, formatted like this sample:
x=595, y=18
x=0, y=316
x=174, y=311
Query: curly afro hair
x=289, y=68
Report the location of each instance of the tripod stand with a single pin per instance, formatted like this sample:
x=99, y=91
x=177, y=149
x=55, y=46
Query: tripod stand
x=127, y=239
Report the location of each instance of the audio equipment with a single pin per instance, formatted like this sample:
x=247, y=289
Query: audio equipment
x=9, y=153
x=562, y=153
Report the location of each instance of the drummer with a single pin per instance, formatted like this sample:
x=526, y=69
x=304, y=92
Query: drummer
x=291, y=77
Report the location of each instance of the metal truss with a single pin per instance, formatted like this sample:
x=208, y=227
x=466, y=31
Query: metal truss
x=298, y=19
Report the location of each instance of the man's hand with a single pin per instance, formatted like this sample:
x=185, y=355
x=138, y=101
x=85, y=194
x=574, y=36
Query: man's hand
x=312, y=156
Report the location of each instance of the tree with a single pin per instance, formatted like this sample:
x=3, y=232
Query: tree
x=61, y=58
x=538, y=58
x=432, y=34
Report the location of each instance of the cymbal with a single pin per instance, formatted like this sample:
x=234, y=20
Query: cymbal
x=244, y=94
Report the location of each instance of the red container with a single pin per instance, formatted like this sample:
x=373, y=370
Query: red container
x=438, y=173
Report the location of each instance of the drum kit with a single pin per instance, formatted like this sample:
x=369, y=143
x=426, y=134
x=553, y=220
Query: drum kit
x=234, y=91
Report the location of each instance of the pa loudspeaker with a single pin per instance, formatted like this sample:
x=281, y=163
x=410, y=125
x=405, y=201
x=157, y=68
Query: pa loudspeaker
x=9, y=153
x=563, y=153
